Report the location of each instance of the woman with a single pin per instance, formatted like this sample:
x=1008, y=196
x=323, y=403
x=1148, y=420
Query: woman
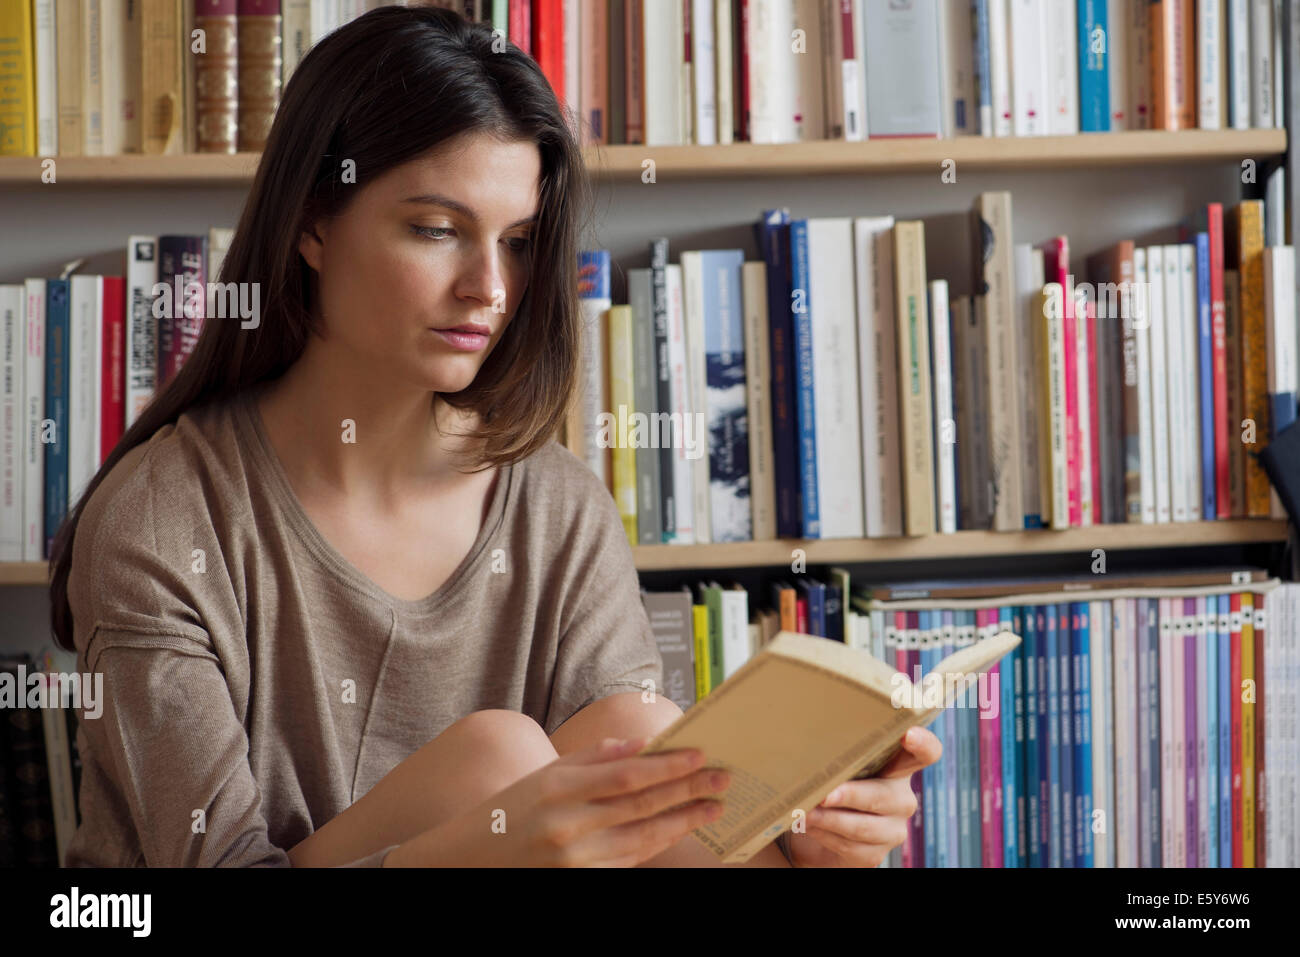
x=351, y=602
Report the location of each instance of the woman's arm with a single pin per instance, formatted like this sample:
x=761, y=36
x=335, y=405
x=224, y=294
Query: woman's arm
x=629, y=716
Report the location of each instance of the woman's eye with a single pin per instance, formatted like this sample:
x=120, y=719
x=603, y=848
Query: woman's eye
x=520, y=244
x=432, y=232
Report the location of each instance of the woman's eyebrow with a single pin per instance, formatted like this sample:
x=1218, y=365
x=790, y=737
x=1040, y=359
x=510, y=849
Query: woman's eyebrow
x=437, y=199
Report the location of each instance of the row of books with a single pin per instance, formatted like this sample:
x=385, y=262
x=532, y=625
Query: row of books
x=83, y=77
x=1143, y=722
x=839, y=393
x=40, y=768
x=81, y=356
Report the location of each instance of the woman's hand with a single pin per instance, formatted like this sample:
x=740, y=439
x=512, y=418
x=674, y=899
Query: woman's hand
x=602, y=807
x=860, y=822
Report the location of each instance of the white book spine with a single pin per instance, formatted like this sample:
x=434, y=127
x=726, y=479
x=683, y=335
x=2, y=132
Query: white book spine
x=724, y=53
x=1142, y=340
x=1000, y=67
x=1063, y=65
x=47, y=77
x=945, y=426
x=112, y=43
x=1159, y=392
x=1118, y=62
x=92, y=79
x=1175, y=397
x=663, y=58
x=1139, y=65
x=1191, y=380
x=13, y=329
x=772, y=75
x=852, y=94
x=1209, y=67
x=684, y=405
x=836, y=398
x=85, y=378
x=573, y=62
x=33, y=414
x=1028, y=68
x=1240, y=101
x=704, y=79
x=295, y=35
x=595, y=382
x=1125, y=774
x=141, y=349
x=1280, y=330
x=809, y=107
x=1261, y=62
x=735, y=630
x=878, y=377
x=860, y=50
x=693, y=311
x=1279, y=120
x=1029, y=280
x=1055, y=345
x=324, y=19
x=1089, y=498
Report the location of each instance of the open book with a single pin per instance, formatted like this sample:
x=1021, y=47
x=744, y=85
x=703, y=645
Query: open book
x=805, y=715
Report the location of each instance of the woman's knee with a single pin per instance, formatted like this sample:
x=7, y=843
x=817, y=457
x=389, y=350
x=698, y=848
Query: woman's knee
x=504, y=745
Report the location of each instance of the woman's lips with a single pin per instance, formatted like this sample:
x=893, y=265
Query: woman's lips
x=470, y=337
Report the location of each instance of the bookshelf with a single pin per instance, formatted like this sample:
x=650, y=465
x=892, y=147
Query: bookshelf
x=621, y=163
x=1096, y=187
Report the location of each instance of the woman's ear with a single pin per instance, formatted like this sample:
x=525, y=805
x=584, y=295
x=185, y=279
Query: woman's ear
x=311, y=245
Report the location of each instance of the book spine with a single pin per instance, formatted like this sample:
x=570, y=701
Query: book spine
x=993, y=215
x=1255, y=405
x=593, y=396
x=1205, y=343
x=877, y=353
x=982, y=64
x=32, y=416
x=1027, y=708
x=1238, y=63
x=1094, y=83
x=1083, y=818
x=13, y=331
x=1028, y=285
x=182, y=267
x=1011, y=796
x=57, y=352
x=914, y=377
x=112, y=391
x=1262, y=700
x=687, y=404
x=759, y=411
x=1065, y=662
x=1226, y=696
x=1028, y=67
x=216, y=77
x=623, y=409
x=645, y=398
x=1189, y=338
x=1053, y=674
x=1118, y=64
x=726, y=420
x=773, y=238
x=806, y=412
x=1248, y=679
x=945, y=433
x=1209, y=67
x=663, y=381
x=1052, y=326
x=259, y=60
x=47, y=76
x=1261, y=62
x=1237, y=710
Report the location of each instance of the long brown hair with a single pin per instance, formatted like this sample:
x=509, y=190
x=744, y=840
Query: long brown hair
x=382, y=90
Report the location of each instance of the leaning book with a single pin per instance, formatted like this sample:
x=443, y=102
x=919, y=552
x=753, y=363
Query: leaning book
x=807, y=714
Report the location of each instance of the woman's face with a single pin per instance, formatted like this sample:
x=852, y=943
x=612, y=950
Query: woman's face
x=421, y=273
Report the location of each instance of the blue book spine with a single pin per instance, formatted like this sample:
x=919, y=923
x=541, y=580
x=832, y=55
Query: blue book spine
x=1094, y=67
x=726, y=404
x=1065, y=664
x=1209, y=503
x=1007, y=715
x=1033, y=824
x=1083, y=738
x=928, y=796
x=57, y=359
x=805, y=413
x=1209, y=640
x=1225, y=732
x=952, y=778
x=1054, y=738
x=1018, y=694
x=980, y=18
x=772, y=234
x=1044, y=738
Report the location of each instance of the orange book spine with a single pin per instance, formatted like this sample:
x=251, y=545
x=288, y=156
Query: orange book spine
x=1184, y=65
x=259, y=71
x=1249, y=215
x=216, y=78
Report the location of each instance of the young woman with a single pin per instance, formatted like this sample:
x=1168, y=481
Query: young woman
x=352, y=603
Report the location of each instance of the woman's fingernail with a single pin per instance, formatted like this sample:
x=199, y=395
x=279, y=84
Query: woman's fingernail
x=833, y=797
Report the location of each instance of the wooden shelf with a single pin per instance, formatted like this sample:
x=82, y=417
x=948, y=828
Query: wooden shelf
x=959, y=545
x=839, y=551
x=618, y=163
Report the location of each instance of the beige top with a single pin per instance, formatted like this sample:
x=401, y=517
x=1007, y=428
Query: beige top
x=256, y=683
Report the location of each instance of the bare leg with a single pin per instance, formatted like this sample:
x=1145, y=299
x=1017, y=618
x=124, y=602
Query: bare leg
x=473, y=759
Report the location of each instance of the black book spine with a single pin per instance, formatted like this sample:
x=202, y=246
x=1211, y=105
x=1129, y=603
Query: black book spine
x=659, y=299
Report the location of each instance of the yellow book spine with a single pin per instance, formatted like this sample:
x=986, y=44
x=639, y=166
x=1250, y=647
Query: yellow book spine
x=1254, y=358
x=17, y=79
x=1248, y=730
x=621, y=365
x=700, y=620
x=914, y=377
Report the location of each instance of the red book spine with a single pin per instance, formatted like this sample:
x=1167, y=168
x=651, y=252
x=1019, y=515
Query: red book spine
x=1234, y=706
x=901, y=662
x=801, y=614
x=1094, y=412
x=520, y=26
x=1260, y=622
x=1226, y=508
x=742, y=63
x=914, y=668
x=112, y=394
x=548, y=43
x=990, y=763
